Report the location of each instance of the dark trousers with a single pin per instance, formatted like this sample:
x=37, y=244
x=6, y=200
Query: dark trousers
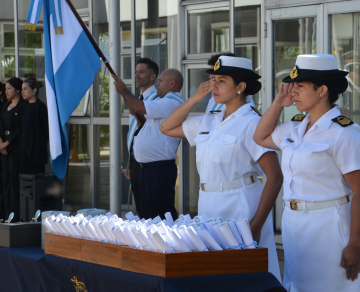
x=26, y=167
x=134, y=179
x=157, y=189
x=2, y=203
x=11, y=171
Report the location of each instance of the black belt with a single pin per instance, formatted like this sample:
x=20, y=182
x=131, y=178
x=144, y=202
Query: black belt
x=158, y=163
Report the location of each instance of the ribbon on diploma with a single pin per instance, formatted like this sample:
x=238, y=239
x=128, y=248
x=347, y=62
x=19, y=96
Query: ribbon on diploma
x=35, y=11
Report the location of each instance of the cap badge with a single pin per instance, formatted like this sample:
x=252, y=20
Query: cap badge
x=294, y=73
x=217, y=65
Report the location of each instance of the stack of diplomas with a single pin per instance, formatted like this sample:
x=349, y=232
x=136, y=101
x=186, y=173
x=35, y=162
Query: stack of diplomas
x=185, y=234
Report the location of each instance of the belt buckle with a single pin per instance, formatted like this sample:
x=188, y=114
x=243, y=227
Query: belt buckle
x=293, y=205
x=202, y=185
x=141, y=165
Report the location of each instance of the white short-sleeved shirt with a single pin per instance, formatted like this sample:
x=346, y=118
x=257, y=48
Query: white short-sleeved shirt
x=225, y=150
x=314, y=164
x=150, y=144
x=212, y=105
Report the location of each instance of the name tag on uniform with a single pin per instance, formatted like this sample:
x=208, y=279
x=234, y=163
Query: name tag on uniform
x=204, y=133
x=290, y=140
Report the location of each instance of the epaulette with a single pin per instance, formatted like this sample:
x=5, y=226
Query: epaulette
x=342, y=121
x=298, y=118
x=256, y=110
x=216, y=112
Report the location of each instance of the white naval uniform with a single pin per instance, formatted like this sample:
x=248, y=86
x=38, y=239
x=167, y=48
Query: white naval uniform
x=226, y=152
x=314, y=165
x=213, y=106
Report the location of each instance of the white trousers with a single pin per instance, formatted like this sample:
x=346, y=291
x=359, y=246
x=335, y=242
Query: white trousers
x=239, y=204
x=313, y=244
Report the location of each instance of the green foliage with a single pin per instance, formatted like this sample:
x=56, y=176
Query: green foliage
x=104, y=86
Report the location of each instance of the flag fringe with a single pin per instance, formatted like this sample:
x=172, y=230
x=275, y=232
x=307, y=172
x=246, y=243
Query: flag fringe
x=59, y=30
x=30, y=26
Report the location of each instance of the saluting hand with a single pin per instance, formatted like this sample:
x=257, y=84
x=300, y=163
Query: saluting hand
x=119, y=84
x=284, y=98
x=203, y=90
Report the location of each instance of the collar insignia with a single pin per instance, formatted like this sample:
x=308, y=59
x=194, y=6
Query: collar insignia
x=256, y=110
x=294, y=72
x=298, y=118
x=343, y=121
x=215, y=111
x=217, y=65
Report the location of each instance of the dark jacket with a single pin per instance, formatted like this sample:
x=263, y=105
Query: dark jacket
x=35, y=143
x=13, y=138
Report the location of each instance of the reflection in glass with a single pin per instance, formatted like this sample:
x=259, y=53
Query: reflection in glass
x=208, y=30
x=292, y=38
x=195, y=77
x=78, y=177
x=79, y=4
x=345, y=46
x=7, y=41
x=101, y=33
x=156, y=32
x=247, y=31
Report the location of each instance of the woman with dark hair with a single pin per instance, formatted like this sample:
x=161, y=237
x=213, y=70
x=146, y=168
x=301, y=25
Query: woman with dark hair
x=321, y=166
x=9, y=145
x=34, y=131
x=2, y=204
x=227, y=158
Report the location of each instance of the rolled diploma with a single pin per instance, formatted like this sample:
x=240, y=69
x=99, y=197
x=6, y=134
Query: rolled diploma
x=180, y=245
x=157, y=220
x=55, y=226
x=97, y=229
x=219, y=219
x=195, y=239
x=143, y=244
x=235, y=230
x=197, y=218
x=79, y=230
x=106, y=234
x=126, y=240
x=209, y=226
x=161, y=227
x=109, y=225
x=147, y=241
x=244, y=229
x=150, y=236
x=187, y=217
x=169, y=218
x=92, y=231
x=129, y=216
x=57, y=223
x=223, y=242
x=69, y=225
x=201, y=226
x=209, y=240
x=118, y=239
x=186, y=238
x=49, y=229
x=131, y=236
x=204, y=217
x=66, y=229
x=86, y=232
x=163, y=246
x=229, y=236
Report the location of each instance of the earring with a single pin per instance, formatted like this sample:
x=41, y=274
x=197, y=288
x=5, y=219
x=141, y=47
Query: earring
x=33, y=93
x=239, y=92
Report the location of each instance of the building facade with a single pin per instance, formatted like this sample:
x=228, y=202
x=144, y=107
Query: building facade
x=183, y=35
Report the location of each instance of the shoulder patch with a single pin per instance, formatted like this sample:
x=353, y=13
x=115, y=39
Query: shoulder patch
x=298, y=118
x=256, y=110
x=215, y=111
x=342, y=121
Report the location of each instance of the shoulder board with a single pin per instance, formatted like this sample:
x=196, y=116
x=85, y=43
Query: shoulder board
x=298, y=118
x=215, y=111
x=256, y=110
x=342, y=121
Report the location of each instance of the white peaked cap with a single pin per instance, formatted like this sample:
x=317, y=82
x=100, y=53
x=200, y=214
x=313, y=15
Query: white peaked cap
x=236, y=62
x=319, y=62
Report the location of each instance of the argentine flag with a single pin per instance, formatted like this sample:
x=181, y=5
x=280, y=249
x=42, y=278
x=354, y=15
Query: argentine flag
x=71, y=63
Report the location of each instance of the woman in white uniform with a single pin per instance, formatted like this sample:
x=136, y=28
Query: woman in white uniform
x=227, y=158
x=320, y=163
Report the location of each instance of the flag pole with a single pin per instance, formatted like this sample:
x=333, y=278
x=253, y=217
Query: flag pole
x=139, y=118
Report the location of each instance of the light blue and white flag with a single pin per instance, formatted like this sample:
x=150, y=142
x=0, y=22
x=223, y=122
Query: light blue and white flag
x=71, y=63
x=35, y=11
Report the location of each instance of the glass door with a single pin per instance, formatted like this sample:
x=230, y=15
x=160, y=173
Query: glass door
x=289, y=32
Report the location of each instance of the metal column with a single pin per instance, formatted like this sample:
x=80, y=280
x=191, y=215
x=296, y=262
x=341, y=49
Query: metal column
x=115, y=109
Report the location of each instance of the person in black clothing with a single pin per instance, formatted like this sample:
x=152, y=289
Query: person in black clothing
x=9, y=145
x=2, y=204
x=34, y=130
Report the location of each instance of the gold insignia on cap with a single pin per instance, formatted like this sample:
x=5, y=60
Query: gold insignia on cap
x=217, y=65
x=294, y=73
